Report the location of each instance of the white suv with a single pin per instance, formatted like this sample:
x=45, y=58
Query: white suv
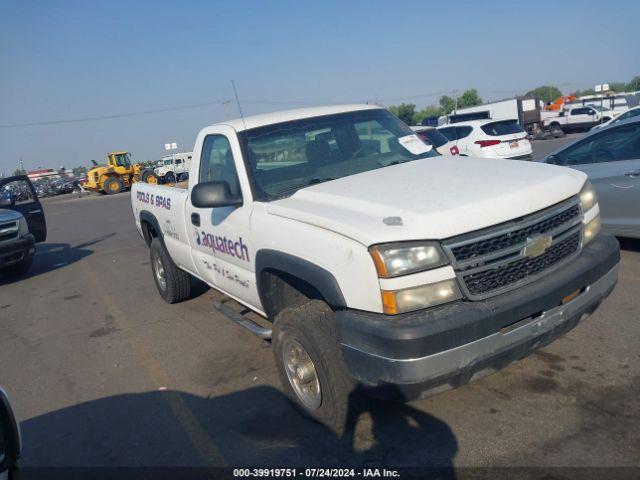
x=490, y=138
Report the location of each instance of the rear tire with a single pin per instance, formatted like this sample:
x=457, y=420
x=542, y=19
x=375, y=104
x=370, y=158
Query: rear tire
x=310, y=327
x=174, y=285
x=170, y=178
x=112, y=185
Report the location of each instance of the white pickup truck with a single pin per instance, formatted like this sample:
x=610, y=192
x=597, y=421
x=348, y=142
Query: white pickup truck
x=574, y=119
x=371, y=262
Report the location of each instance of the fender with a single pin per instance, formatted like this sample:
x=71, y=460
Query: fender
x=146, y=216
x=311, y=273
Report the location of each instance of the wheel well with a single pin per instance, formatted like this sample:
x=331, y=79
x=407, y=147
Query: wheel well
x=283, y=290
x=149, y=231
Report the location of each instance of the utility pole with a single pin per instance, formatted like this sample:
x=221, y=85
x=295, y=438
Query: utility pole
x=22, y=166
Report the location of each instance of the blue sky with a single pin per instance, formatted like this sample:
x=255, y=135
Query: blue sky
x=76, y=59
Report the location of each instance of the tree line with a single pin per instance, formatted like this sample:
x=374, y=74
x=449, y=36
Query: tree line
x=408, y=114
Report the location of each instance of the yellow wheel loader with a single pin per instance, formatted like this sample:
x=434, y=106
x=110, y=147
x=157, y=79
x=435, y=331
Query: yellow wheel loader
x=117, y=175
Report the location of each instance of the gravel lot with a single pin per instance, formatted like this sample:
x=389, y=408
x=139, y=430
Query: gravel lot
x=102, y=372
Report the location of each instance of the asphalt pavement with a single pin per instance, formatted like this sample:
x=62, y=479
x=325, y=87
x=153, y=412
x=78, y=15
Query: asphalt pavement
x=102, y=372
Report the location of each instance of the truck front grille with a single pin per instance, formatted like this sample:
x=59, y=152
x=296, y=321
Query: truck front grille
x=8, y=231
x=496, y=260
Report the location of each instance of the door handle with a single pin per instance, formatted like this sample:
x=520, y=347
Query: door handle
x=195, y=219
x=634, y=174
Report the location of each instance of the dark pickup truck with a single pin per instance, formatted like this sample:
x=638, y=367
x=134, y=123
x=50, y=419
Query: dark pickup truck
x=22, y=224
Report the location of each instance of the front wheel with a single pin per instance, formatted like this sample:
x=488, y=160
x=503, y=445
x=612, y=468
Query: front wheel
x=174, y=285
x=310, y=365
x=113, y=185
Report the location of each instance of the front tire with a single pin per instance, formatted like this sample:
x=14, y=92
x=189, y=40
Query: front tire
x=310, y=364
x=112, y=185
x=174, y=285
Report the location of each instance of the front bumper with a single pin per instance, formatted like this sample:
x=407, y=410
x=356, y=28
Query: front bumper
x=417, y=354
x=15, y=251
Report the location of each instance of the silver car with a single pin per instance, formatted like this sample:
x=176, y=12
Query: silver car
x=611, y=158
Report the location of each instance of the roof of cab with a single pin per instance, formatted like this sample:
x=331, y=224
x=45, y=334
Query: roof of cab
x=255, y=121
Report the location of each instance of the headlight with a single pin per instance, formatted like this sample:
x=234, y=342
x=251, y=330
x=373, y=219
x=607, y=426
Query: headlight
x=592, y=229
x=588, y=197
x=23, y=227
x=394, y=259
x=416, y=298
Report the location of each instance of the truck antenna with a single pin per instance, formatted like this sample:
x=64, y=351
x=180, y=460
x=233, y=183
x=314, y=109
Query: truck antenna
x=235, y=92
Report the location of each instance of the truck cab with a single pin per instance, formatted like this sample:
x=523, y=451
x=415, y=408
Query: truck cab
x=368, y=261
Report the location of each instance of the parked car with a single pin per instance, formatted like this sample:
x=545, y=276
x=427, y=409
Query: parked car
x=611, y=158
x=368, y=260
x=632, y=112
x=436, y=139
x=574, y=119
x=489, y=139
x=10, y=438
x=22, y=225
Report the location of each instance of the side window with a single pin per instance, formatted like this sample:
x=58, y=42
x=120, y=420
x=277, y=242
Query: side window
x=217, y=163
x=463, y=132
x=622, y=143
x=578, y=111
x=18, y=190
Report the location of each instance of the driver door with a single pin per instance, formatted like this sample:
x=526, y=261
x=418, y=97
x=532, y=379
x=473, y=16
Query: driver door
x=25, y=200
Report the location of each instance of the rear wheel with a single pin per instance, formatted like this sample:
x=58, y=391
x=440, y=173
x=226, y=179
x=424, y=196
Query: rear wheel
x=556, y=130
x=112, y=185
x=170, y=178
x=311, y=369
x=174, y=285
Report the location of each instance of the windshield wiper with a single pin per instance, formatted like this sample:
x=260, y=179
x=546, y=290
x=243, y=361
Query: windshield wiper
x=313, y=181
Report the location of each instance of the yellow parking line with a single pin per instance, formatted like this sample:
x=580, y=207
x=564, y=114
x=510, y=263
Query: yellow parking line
x=200, y=439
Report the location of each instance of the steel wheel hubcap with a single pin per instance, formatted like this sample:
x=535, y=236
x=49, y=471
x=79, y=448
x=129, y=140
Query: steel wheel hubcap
x=158, y=268
x=302, y=374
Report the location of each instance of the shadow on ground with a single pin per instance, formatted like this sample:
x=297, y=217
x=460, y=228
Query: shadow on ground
x=255, y=427
x=630, y=244
x=51, y=256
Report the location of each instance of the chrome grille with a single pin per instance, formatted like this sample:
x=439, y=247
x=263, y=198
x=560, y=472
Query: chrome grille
x=8, y=231
x=493, y=261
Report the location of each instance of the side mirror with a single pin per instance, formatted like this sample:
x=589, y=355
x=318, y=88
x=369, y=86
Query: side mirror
x=552, y=159
x=10, y=444
x=7, y=201
x=213, y=195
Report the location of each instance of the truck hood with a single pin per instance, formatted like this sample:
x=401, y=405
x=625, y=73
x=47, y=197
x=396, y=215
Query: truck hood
x=433, y=198
x=7, y=215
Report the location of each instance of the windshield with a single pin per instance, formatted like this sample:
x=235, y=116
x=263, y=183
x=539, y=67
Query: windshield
x=284, y=157
x=598, y=108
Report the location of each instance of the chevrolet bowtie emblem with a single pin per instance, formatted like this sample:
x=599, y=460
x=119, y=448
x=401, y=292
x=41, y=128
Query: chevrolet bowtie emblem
x=536, y=246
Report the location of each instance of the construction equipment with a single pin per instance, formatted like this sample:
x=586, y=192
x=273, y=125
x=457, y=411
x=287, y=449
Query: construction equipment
x=118, y=174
